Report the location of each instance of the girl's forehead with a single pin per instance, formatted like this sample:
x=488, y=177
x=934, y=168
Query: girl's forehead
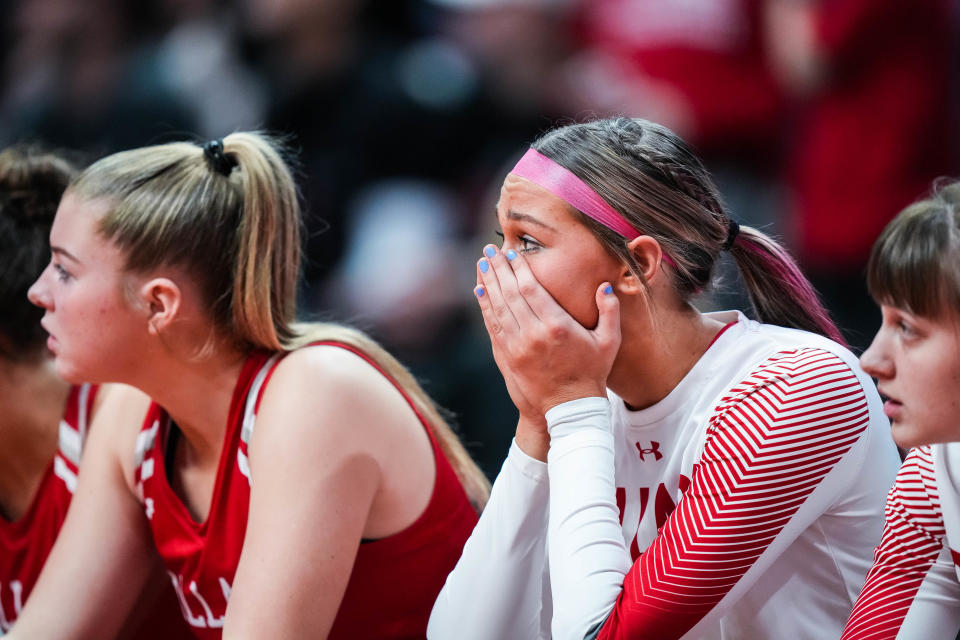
x=520, y=197
x=75, y=228
x=75, y=207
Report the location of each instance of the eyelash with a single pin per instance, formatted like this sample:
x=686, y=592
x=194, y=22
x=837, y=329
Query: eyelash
x=62, y=274
x=905, y=329
x=530, y=243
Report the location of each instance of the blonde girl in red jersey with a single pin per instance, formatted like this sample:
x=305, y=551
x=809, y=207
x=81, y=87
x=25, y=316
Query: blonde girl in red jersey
x=45, y=419
x=913, y=590
x=292, y=491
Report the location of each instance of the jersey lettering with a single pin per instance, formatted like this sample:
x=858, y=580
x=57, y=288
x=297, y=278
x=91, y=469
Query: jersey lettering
x=207, y=619
x=663, y=504
x=663, y=507
x=16, y=588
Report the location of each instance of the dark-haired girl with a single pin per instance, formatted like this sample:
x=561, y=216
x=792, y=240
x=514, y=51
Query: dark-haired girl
x=44, y=420
x=913, y=590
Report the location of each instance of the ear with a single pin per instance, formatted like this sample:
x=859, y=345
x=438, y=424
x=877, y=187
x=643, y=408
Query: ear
x=162, y=298
x=647, y=253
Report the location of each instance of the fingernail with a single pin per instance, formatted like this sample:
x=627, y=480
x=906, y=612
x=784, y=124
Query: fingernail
x=479, y=291
x=484, y=266
x=489, y=252
x=511, y=254
x=608, y=289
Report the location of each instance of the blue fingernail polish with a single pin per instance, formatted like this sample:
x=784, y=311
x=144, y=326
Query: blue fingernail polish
x=608, y=289
x=511, y=254
x=489, y=252
x=479, y=292
x=484, y=266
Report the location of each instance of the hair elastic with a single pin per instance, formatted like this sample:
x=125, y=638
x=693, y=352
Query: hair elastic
x=561, y=182
x=220, y=161
x=733, y=230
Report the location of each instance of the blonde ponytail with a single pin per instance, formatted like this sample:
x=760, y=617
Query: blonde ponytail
x=268, y=252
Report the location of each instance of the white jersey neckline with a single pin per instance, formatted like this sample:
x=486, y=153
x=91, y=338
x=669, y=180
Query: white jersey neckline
x=702, y=370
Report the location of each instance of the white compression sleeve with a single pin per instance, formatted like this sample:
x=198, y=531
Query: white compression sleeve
x=496, y=589
x=588, y=557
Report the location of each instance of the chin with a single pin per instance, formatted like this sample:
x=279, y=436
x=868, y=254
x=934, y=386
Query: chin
x=904, y=437
x=69, y=373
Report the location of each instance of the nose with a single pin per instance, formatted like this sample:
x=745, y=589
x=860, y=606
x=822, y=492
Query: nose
x=875, y=361
x=39, y=293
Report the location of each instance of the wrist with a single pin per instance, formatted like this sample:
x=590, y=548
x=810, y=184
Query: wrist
x=569, y=394
x=532, y=438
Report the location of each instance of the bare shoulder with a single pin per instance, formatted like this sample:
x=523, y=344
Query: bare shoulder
x=118, y=415
x=115, y=397
x=330, y=375
x=336, y=389
x=332, y=364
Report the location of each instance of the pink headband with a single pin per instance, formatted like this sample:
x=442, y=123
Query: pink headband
x=561, y=182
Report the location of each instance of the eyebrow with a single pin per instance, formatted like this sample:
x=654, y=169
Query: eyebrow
x=526, y=217
x=64, y=252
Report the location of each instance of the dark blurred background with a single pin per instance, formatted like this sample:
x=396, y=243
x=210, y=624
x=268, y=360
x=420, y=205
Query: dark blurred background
x=820, y=119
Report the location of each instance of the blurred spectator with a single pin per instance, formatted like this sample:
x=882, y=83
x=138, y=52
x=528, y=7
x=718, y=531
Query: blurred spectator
x=79, y=79
x=405, y=278
x=406, y=230
x=701, y=68
x=201, y=60
x=515, y=46
x=873, y=83
x=368, y=101
x=696, y=66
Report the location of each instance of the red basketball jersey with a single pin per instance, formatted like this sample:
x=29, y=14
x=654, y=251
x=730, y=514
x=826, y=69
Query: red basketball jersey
x=26, y=542
x=395, y=580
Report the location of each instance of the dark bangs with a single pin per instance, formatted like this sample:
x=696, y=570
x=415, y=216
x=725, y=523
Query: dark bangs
x=915, y=263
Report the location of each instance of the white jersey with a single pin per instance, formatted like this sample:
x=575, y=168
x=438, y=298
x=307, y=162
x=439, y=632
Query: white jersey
x=913, y=590
x=745, y=504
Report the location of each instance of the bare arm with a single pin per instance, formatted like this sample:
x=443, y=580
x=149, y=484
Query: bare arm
x=317, y=467
x=104, y=553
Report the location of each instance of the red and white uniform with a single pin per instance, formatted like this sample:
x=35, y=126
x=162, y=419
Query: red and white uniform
x=913, y=590
x=745, y=504
x=394, y=580
x=26, y=543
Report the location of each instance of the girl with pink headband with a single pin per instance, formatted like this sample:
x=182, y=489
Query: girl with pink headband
x=674, y=473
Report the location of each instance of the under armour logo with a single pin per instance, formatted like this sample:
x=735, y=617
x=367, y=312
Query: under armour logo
x=654, y=449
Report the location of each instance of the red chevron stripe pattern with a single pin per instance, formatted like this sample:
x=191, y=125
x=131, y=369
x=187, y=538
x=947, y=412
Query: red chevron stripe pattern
x=771, y=440
x=912, y=540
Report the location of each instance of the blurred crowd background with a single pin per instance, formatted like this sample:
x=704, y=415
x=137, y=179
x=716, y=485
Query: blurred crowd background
x=820, y=119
